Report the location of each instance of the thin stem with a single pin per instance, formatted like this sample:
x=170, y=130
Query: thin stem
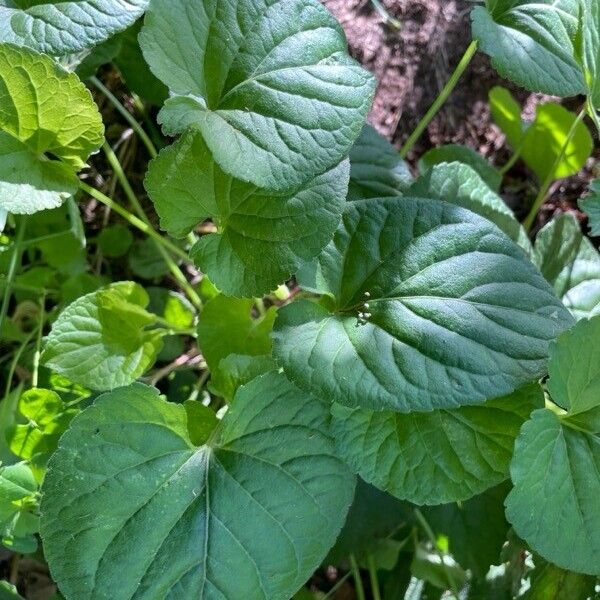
x=510, y=163
x=175, y=270
x=13, y=267
x=449, y=576
x=126, y=115
x=15, y=362
x=441, y=99
x=593, y=113
x=337, y=586
x=38, y=344
x=133, y=220
x=358, y=584
x=373, y=578
x=550, y=177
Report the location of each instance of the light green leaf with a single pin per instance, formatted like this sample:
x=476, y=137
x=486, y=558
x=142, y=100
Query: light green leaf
x=28, y=184
x=476, y=529
x=590, y=205
x=268, y=84
x=556, y=466
x=569, y=261
x=376, y=169
x=506, y=112
x=549, y=582
x=65, y=27
x=461, y=185
x=227, y=327
x=531, y=43
x=17, y=485
x=46, y=108
x=101, y=340
x=462, y=154
x=263, y=237
x=9, y=592
x=174, y=308
x=547, y=135
x=215, y=520
x=457, y=312
x=435, y=457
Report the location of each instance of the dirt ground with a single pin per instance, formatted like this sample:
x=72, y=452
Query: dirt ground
x=413, y=63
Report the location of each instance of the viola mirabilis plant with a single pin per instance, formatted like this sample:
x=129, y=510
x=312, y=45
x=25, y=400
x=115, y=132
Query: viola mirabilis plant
x=323, y=359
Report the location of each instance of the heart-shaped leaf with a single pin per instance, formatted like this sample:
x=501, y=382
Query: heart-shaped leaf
x=215, y=519
x=455, y=313
x=531, y=43
x=263, y=237
x=101, y=340
x=268, y=83
x=435, y=457
x=556, y=467
x=65, y=27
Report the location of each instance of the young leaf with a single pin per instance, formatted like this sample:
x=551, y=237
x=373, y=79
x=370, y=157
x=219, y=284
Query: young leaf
x=550, y=582
x=456, y=313
x=569, y=261
x=555, y=468
x=101, y=340
x=47, y=108
x=506, y=112
x=530, y=43
x=65, y=27
x=45, y=113
x=227, y=327
x=462, y=154
x=436, y=457
x=461, y=185
x=268, y=84
x=263, y=236
x=376, y=169
x=128, y=470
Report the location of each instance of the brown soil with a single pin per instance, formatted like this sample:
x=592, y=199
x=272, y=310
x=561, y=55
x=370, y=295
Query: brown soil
x=413, y=63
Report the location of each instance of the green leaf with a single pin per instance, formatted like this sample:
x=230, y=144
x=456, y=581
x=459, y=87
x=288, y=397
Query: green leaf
x=236, y=370
x=435, y=457
x=28, y=184
x=373, y=515
x=135, y=71
x=590, y=205
x=457, y=312
x=506, y=112
x=428, y=566
x=555, y=468
x=263, y=236
x=46, y=108
x=101, y=340
x=459, y=184
x=376, y=169
x=569, y=261
x=549, y=582
x=531, y=43
x=115, y=241
x=591, y=49
x=462, y=154
x=267, y=83
x=65, y=27
x=146, y=260
x=174, y=308
x=128, y=470
x=547, y=135
x=476, y=529
x=227, y=327
x=9, y=592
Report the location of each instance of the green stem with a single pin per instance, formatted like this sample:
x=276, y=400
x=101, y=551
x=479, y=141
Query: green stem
x=126, y=115
x=358, y=584
x=510, y=163
x=13, y=267
x=15, y=362
x=175, y=270
x=550, y=177
x=441, y=99
x=449, y=577
x=373, y=578
x=593, y=113
x=38, y=343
